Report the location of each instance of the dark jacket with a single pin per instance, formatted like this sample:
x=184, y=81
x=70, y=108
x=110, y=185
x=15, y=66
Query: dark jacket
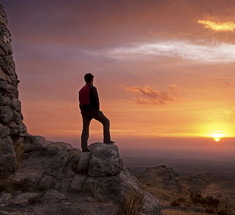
x=88, y=98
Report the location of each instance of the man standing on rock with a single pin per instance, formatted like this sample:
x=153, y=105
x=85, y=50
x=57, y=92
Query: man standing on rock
x=90, y=109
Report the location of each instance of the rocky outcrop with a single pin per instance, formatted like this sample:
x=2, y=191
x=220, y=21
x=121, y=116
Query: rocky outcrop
x=65, y=175
x=161, y=177
x=11, y=126
x=44, y=177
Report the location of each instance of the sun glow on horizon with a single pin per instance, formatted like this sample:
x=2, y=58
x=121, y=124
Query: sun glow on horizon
x=217, y=137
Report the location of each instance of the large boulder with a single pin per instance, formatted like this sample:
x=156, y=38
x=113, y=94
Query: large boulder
x=105, y=160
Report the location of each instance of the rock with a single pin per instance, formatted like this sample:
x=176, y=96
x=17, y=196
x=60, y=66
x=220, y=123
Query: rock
x=6, y=47
x=105, y=160
x=6, y=114
x=12, y=124
x=4, y=197
x=43, y=171
x=56, y=148
x=13, y=127
x=8, y=69
x=34, y=143
x=3, y=19
x=68, y=210
x=53, y=196
x=115, y=188
x=22, y=199
x=159, y=174
x=130, y=182
x=3, y=76
x=26, y=179
x=59, y=165
x=150, y=205
x=8, y=59
x=46, y=182
x=83, y=162
x=4, y=85
x=4, y=100
x=7, y=157
x=15, y=104
x=161, y=177
x=78, y=183
x=17, y=117
x=21, y=129
x=4, y=131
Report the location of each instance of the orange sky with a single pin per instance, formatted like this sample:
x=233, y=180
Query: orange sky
x=162, y=68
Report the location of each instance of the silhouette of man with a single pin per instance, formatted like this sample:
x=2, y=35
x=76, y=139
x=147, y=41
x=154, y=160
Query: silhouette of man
x=90, y=109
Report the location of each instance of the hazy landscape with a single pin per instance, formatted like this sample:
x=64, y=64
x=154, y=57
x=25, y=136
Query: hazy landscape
x=187, y=186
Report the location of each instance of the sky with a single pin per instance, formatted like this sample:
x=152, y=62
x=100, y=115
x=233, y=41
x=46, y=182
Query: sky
x=163, y=70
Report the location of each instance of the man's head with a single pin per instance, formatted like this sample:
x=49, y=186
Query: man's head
x=88, y=78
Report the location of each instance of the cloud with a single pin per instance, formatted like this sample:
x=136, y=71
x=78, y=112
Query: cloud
x=151, y=96
x=213, y=53
x=218, y=26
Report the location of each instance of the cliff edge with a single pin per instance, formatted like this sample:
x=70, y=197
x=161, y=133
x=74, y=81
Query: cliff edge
x=44, y=177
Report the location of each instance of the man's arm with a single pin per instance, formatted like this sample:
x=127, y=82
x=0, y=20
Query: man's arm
x=94, y=98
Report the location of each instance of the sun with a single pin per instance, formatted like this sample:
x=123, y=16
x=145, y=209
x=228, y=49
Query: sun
x=217, y=131
x=217, y=137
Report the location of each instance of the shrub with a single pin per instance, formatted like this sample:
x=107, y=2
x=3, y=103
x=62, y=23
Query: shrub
x=133, y=202
x=196, y=198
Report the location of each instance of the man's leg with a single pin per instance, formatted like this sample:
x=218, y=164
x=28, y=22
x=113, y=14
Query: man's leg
x=85, y=132
x=105, y=121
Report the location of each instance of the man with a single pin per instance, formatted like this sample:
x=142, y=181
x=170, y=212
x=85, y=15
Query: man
x=90, y=109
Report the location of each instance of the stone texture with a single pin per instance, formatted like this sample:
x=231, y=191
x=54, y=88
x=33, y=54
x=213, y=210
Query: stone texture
x=3, y=76
x=4, y=131
x=53, y=196
x=50, y=169
x=105, y=160
x=22, y=199
x=6, y=114
x=7, y=157
x=78, y=183
x=83, y=162
x=34, y=143
x=15, y=104
x=4, y=197
x=11, y=125
x=4, y=100
x=4, y=86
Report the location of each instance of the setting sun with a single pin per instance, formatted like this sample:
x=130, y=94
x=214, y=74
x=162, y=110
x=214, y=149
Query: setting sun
x=217, y=131
x=217, y=137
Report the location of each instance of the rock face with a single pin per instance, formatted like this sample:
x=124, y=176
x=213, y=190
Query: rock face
x=11, y=126
x=58, y=173
x=44, y=177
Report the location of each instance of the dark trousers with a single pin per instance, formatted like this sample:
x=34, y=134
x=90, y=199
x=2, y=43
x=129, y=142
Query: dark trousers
x=86, y=118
